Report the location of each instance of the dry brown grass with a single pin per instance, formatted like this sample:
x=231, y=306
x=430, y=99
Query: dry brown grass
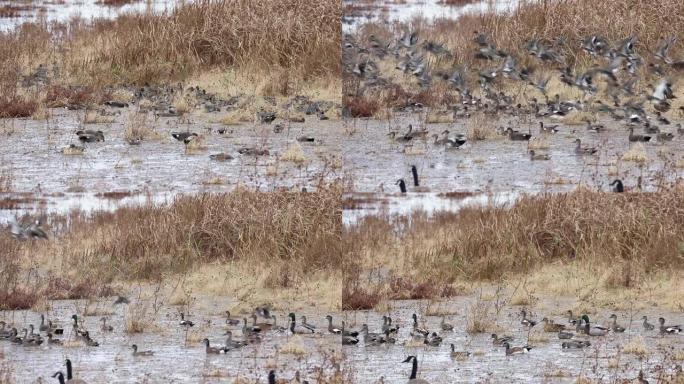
x=291, y=239
x=298, y=46
x=94, y=117
x=138, y=127
x=631, y=235
x=17, y=106
x=636, y=347
x=294, y=154
x=636, y=153
x=481, y=127
x=361, y=107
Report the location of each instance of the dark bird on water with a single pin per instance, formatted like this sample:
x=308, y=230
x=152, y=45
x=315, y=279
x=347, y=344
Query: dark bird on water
x=617, y=186
x=402, y=185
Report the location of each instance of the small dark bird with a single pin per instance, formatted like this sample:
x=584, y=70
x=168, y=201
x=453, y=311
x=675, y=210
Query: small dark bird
x=402, y=185
x=185, y=137
x=90, y=136
x=414, y=172
x=617, y=186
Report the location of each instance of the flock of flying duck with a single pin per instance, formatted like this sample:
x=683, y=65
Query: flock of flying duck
x=616, y=65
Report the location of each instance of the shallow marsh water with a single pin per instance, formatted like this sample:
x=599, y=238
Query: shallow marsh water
x=501, y=165
x=62, y=11
x=179, y=357
x=112, y=173
x=545, y=363
x=358, y=12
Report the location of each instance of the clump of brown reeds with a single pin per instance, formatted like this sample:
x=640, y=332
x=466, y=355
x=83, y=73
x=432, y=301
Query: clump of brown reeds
x=302, y=229
x=72, y=96
x=137, y=127
x=586, y=227
x=17, y=106
x=481, y=127
x=301, y=37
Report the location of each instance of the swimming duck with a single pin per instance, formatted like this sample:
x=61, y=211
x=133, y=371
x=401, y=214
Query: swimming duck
x=416, y=134
x=538, y=156
x=34, y=338
x=571, y=318
x=231, y=321
x=388, y=338
x=417, y=331
x=331, y=327
x=185, y=323
x=305, y=324
x=443, y=140
x=670, y=329
x=550, y=326
x=414, y=371
x=595, y=127
x=185, y=137
x=525, y=321
x=592, y=331
x=580, y=150
x=233, y=344
x=140, y=353
x=575, y=344
x=369, y=336
x=387, y=325
x=263, y=326
x=251, y=151
x=446, y=326
x=516, y=350
x=458, y=354
x=518, y=136
x=499, y=341
x=306, y=139
x=296, y=328
x=248, y=330
x=615, y=327
x=90, y=136
x=432, y=339
x=547, y=128
x=211, y=350
x=401, y=138
x=14, y=338
x=647, y=326
x=4, y=333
